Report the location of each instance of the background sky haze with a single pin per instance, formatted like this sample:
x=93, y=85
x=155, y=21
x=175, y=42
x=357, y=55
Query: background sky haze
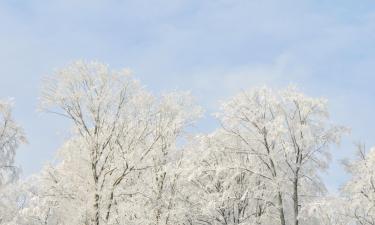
x=215, y=48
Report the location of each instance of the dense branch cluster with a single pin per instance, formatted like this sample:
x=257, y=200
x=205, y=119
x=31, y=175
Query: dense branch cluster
x=130, y=159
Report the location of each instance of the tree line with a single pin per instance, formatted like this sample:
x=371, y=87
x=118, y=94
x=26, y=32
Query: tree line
x=131, y=160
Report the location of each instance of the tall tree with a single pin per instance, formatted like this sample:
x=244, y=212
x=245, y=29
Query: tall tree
x=288, y=136
x=120, y=131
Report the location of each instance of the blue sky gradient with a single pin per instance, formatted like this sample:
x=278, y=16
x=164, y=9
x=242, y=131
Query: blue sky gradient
x=214, y=48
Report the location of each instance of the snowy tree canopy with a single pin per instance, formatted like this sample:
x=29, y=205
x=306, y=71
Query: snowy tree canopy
x=132, y=158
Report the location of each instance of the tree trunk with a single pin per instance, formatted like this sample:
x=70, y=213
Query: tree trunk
x=295, y=199
x=258, y=213
x=281, y=209
x=109, y=206
x=96, y=210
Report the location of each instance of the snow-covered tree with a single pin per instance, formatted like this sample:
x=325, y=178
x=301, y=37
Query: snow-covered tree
x=283, y=138
x=223, y=188
x=360, y=189
x=11, y=136
x=326, y=211
x=126, y=161
x=26, y=206
x=120, y=150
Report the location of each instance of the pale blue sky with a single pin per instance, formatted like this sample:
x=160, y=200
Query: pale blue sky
x=214, y=48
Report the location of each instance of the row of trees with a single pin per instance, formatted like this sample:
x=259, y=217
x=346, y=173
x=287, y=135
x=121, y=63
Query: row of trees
x=130, y=160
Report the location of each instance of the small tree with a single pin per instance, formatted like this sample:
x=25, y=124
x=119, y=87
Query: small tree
x=11, y=136
x=326, y=211
x=223, y=188
x=360, y=189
